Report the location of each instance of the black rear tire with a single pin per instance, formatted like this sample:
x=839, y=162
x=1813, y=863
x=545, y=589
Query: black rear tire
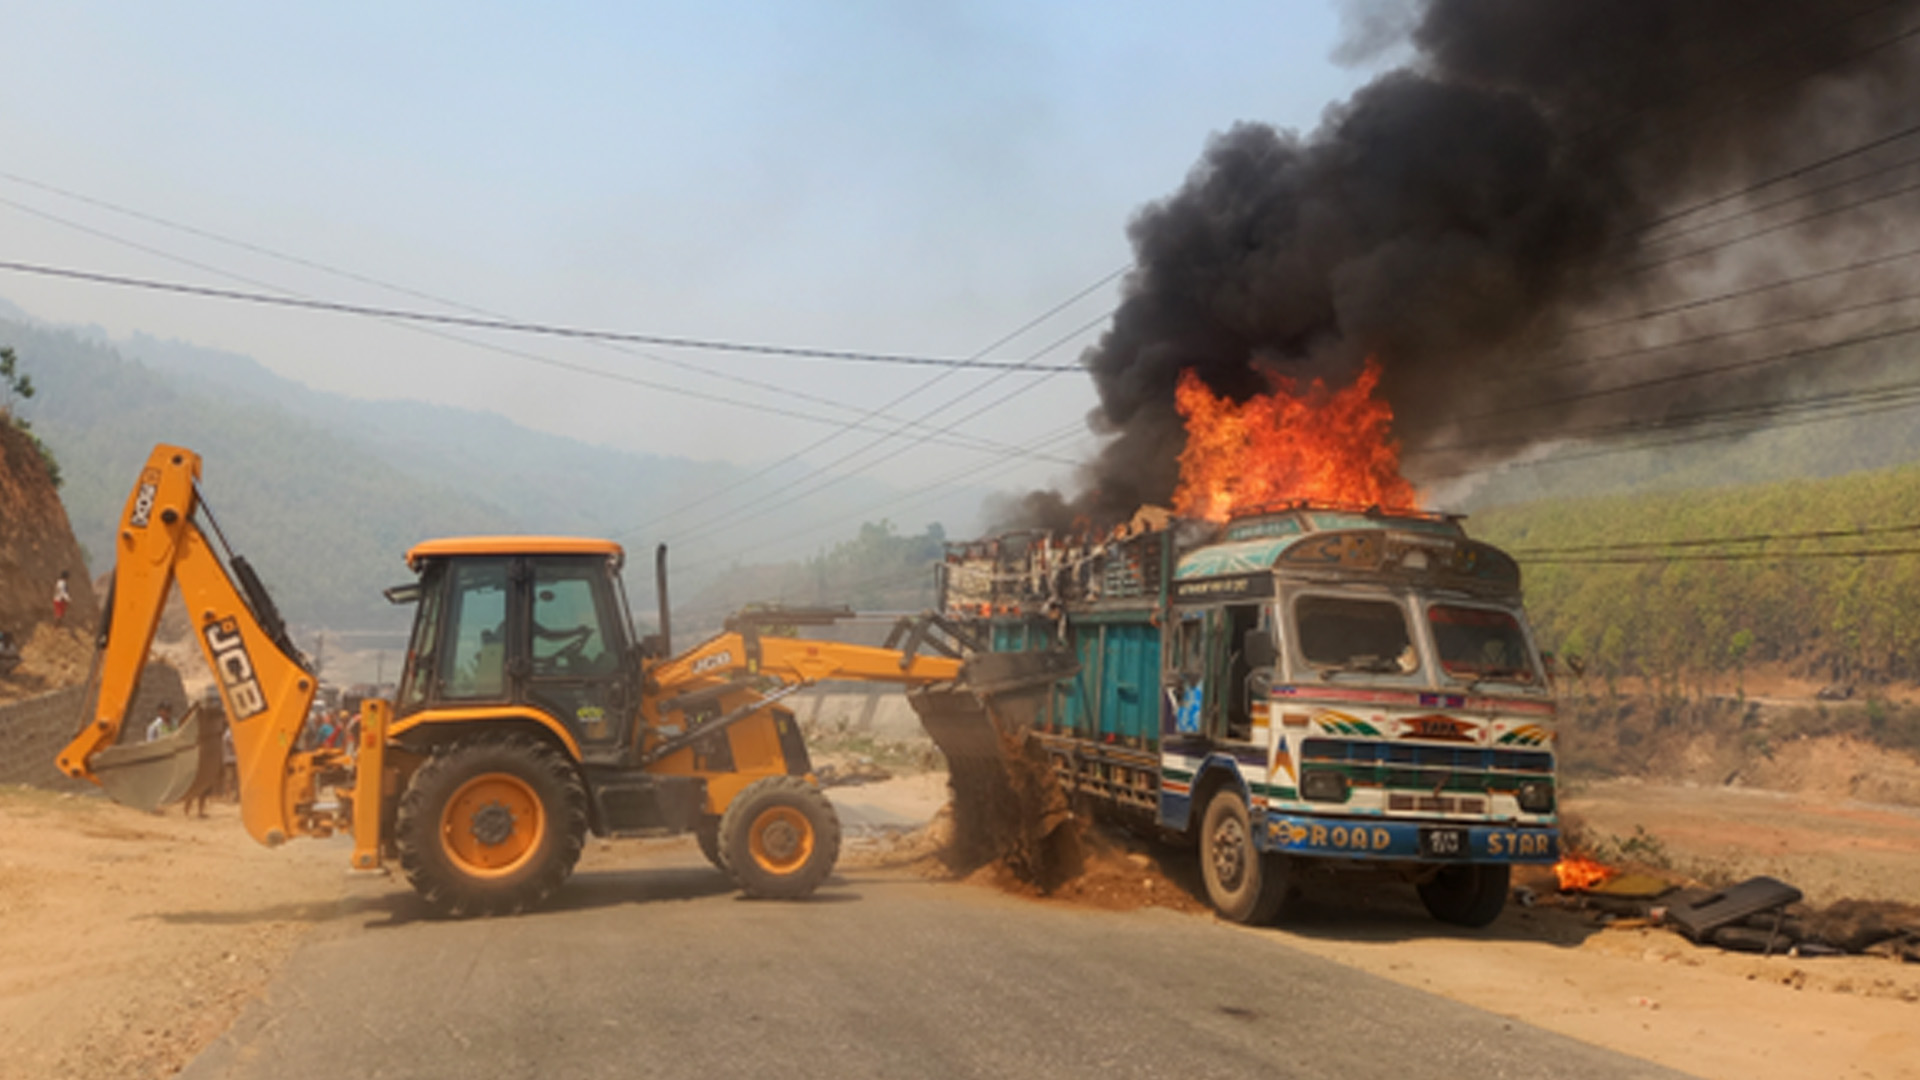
x=708, y=833
x=491, y=825
x=1244, y=885
x=780, y=838
x=1467, y=895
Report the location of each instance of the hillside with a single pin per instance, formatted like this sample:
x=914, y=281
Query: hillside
x=1662, y=611
x=324, y=492
x=36, y=544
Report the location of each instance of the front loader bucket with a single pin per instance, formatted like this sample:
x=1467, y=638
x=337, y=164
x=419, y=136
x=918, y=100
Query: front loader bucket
x=1007, y=804
x=149, y=775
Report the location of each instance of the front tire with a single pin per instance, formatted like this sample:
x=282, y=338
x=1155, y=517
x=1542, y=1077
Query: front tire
x=491, y=825
x=780, y=838
x=1244, y=885
x=1470, y=896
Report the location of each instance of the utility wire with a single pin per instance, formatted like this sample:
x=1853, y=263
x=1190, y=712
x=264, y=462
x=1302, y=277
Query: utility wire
x=512, y=326
x=823, y=440
x=859, y=424
x=1731, y=556
x=1717, y=541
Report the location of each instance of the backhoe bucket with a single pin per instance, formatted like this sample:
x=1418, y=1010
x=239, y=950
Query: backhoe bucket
x=1007, y=804
x=149, y=775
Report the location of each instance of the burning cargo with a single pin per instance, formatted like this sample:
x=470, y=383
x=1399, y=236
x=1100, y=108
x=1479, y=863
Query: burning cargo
x=1304, y=684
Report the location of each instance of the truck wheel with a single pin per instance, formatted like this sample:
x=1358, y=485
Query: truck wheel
x=491, y=825
x=780, y=838
x=1244, y=885
x=708, y=833
x=1466, y=895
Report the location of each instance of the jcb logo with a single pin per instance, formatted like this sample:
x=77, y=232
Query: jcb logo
x=143, y=499
x=230, y=659
x=709, y=663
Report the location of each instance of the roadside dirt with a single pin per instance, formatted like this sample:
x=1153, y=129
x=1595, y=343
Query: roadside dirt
x=132, y=940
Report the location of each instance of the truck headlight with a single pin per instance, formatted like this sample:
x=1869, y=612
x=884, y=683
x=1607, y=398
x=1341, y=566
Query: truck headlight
x=1322, y=785
x=1536, y=796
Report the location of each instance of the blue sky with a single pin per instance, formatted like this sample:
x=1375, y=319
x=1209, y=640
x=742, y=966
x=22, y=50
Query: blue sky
x=907, y=177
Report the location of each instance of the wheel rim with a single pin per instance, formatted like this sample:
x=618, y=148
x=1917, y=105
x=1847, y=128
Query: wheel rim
x=1229, y=854
x=780, y=839
x=492, y=825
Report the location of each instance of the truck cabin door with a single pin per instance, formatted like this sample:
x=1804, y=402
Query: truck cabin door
x=577, y=651
x=1228, y=714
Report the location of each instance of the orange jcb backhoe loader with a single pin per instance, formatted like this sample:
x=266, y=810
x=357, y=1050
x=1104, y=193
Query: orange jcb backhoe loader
x=526, y=716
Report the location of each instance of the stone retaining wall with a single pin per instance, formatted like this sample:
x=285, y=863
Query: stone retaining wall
x=33, y=732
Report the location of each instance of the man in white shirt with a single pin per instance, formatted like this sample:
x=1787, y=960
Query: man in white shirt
x=163, y=724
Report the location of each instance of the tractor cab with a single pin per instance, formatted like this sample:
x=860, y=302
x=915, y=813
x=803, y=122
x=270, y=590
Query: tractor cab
x=524, y=624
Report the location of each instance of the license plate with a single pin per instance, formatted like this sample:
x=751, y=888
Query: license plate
x=1439, y=843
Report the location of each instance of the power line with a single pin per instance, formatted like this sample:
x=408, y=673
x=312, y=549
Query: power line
x=514, y=326
x=1717, y=541
x=1731, y=556
x=823, y=440
x=761, y=507
x=1697, y=373
x=1794, y=173
x=966, y=442
x=926, y=492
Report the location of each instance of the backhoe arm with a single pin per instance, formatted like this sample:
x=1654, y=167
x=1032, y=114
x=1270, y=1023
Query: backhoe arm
x=797, y=661
x=264, y=683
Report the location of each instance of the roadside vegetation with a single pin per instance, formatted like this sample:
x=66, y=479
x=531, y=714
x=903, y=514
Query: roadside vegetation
x=1621, y=588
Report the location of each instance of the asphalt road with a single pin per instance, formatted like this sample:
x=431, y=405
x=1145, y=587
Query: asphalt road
x=664, y=971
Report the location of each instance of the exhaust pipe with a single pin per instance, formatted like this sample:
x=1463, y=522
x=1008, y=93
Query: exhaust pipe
x=660, y=590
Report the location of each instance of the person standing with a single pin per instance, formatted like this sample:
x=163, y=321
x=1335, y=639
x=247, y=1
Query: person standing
x=163, y=725
x=62, y=599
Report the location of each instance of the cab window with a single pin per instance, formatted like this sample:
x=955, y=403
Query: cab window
x=569, y=625
x=1350, y=634
x=473, y=660
x=1481, y=644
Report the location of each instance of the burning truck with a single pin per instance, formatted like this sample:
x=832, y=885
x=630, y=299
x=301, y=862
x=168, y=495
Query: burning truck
x=1314, y=683
x=1306, y=684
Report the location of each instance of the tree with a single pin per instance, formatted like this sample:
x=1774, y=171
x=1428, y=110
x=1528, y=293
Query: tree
x=14, y=383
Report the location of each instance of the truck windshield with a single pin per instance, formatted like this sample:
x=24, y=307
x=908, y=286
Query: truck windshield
x=1338, y=633
x=1481, y=644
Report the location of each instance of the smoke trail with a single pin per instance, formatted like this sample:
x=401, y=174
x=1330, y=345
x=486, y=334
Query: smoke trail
x=1455, y=215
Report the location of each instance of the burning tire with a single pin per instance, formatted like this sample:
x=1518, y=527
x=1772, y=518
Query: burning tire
x=780, y=838
x=1244, y=885
x=1470, y=896
x=491, y=826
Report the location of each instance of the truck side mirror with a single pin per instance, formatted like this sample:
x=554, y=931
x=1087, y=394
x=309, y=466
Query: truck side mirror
x=1259, y=649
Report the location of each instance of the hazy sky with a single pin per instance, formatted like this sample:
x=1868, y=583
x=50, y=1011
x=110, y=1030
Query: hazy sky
x=905, y=177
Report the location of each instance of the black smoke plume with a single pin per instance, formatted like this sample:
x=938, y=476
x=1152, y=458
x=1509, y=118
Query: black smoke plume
x=1462, y=217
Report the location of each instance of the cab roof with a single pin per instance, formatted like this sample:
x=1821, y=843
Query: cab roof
x=513, y=545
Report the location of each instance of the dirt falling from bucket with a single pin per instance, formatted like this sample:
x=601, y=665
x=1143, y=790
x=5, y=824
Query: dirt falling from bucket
x=1008, y=810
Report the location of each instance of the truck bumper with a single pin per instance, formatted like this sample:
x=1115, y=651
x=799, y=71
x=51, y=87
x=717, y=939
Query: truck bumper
x=1407, y=840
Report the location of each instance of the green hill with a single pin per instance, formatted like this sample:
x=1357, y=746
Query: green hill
x=1663, y=610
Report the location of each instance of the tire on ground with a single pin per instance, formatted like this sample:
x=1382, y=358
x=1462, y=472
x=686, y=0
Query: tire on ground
x=491, y=825
x=708, y=833
x=1244, y=885
x=780, y=838
x=1466, y=895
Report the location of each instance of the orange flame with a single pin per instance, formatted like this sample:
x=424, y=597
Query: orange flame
x=1318, y=445
x=1578, y=873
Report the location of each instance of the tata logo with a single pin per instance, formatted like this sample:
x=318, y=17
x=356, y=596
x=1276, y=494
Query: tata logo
x=709, y=663
x=143, y=499
x=1439, y=728
x=235, y=667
